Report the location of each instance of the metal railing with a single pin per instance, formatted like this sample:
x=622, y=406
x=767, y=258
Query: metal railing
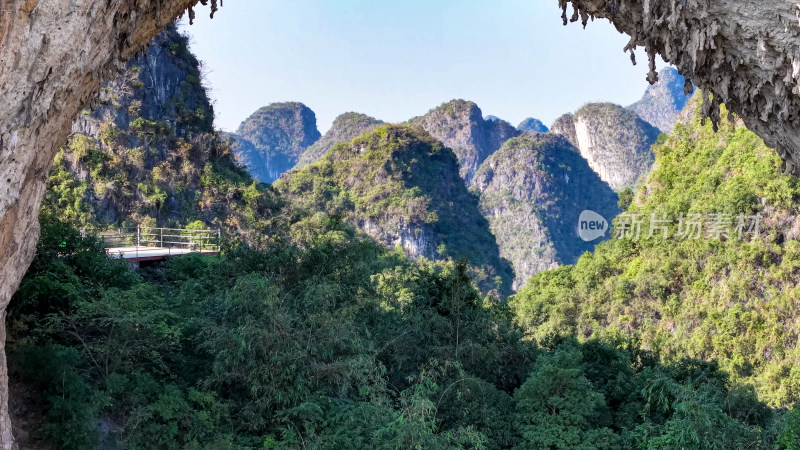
x=167, y=238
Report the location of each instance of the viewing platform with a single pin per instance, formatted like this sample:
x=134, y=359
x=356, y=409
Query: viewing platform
x=157, y=244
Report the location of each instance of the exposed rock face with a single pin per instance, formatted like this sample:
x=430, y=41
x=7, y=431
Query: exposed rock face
x=53, y=57
x=565, y=126
x=533, y=191
x=345, y=128
x=663, y=102
x=460, y=125
x=276, y=135
x=531, y=124
x=615, y=141
x=401, y=187
x=744, y=53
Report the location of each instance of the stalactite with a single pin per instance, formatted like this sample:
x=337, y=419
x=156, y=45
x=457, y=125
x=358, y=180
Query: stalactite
x=738, y=51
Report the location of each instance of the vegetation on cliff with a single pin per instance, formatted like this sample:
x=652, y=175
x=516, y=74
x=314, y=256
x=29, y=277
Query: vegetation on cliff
x=344, y=129
x=148, y=154
x=615, y=141
x=271, y=141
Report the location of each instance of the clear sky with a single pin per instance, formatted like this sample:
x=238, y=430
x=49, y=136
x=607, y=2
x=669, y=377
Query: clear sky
x=396, y=59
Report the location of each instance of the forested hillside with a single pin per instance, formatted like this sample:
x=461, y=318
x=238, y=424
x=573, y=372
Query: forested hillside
x=708, y=294
x=336, y=344
x=403, y=188
x=533, y=191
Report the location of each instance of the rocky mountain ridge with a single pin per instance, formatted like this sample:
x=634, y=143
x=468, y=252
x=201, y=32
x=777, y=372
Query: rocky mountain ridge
x=663, y=102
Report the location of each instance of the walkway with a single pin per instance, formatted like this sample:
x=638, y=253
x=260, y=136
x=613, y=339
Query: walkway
x=156, y=244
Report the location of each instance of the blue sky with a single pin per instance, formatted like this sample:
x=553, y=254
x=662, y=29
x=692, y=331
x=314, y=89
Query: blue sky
x=395, y=59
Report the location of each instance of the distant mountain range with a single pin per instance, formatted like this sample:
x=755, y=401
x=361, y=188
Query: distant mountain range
x=448, y=184
x=532, y=186
x=272, y=140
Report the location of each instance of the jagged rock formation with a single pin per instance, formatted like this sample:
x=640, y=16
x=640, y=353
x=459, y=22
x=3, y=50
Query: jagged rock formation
x=271, y=140
x=403, y=188
x=615, y=141
x=565, y=126
x=531, y=124
x=533, y=191
x=491, y=118
x=345, y=128
x=663, y=102
x=460, y=125
x=745, y=54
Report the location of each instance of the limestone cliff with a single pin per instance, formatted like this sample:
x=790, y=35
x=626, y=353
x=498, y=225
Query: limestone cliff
x=533, y=191
x=663, y=102
x=565, y=126
x=271, y=140
x=53, y=57
x=403, y=188
x=345, y=128
x=615, y=141
x=147, y=153
x=460, y=125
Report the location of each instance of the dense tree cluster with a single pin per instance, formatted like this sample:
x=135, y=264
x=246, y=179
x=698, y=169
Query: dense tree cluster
x=717, y=297
x=340, y=344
